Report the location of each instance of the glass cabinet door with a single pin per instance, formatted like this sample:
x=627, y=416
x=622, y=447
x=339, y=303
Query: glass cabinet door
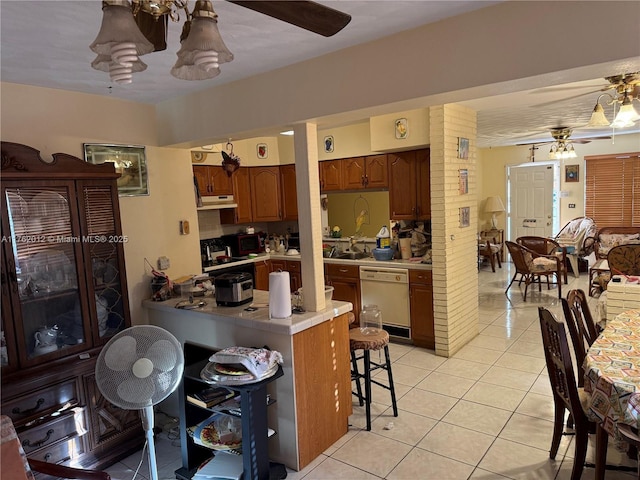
x=43, y=253
x=104, y=250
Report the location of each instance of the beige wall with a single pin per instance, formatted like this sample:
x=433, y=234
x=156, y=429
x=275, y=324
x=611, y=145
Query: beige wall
x=499, y=49
x=496, y=160
x=58, y=121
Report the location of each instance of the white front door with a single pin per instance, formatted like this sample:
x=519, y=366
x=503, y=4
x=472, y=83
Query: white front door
x=530, y=200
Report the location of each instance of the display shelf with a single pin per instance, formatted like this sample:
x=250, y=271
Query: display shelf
x=253, y=399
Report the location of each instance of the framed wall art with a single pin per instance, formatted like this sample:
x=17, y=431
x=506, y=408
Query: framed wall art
x=465, y=216
x=571, y=173
x=130, y=162
x=463, y=174
x=328, y=144
x=463, y=148
x=262, y=150
x=402, y=128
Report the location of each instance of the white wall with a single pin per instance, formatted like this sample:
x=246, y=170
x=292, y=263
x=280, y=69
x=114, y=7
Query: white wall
x=57, y=121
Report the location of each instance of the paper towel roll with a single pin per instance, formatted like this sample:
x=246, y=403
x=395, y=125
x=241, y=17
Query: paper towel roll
x=279, y=295
x=405, y=247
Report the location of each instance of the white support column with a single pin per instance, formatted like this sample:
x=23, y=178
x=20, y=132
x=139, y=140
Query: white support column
x=309, y=222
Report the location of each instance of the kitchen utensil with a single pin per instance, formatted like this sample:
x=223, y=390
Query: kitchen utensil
x=223, y=259
x=46, y=336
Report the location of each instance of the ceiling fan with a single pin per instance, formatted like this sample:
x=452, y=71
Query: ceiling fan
x=131, y=29
x=562, y=144
x=152, y=16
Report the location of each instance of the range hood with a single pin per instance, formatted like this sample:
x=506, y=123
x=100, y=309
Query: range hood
x=217, y=202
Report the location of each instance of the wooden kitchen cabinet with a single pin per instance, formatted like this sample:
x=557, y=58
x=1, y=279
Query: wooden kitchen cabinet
x=421, y=303
x=289, y=192
x=345, y=280
x=212, y=180
x=365, y=172
x=294, y=268
x=242, y=197
x=409, y=185
x=265, y=194
x=330, y=175
x=64, y=295
x=262, y=268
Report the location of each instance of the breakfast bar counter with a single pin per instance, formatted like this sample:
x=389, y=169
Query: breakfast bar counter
x=313, y=397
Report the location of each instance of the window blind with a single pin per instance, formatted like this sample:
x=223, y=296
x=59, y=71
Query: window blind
x=612, y=190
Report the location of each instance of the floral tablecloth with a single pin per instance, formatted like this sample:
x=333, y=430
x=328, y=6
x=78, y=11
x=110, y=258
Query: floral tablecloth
x=612, y=373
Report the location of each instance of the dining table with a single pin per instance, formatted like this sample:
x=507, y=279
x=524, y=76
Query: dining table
x=612, y=378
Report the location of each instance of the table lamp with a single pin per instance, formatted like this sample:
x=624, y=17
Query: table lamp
x=493, y=206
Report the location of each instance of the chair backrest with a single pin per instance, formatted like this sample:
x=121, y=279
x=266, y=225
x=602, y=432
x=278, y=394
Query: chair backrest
x=578, y=233
x=559, y=366
x=518, y=257
x=624, y=259
x=609, y=237
x=541, y=245
x=577, y=302
x=578, y=338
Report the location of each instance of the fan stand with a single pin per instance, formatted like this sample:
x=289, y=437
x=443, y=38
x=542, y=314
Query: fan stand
x=146, y=415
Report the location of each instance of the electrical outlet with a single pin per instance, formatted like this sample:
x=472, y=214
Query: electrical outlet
x=163, y=263
x=572, y=205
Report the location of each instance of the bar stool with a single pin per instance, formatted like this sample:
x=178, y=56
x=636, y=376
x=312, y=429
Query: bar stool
x=367, y=343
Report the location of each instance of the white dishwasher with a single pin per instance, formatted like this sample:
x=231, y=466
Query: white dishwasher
x=388, y=288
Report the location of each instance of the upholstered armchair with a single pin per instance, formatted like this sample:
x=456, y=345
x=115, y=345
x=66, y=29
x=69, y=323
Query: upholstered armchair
x=546, y=246
x=607, y=240
x=530, y=266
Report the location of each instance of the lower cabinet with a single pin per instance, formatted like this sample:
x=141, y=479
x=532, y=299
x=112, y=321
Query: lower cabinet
x=345, y=280
x=261, y=270
x=293, y=267
x=421, y=299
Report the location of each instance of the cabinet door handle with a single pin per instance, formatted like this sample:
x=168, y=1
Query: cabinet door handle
x=39, y=403
x=39, y=443
x=366, y=180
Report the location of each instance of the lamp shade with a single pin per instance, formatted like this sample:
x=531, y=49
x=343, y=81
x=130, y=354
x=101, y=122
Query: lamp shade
x=494, y=204
x=597, y=117
x=119, y=26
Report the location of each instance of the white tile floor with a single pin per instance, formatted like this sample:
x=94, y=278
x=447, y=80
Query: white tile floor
x=485, y=413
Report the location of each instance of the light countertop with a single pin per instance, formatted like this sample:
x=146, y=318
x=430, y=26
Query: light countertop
x=258, y=319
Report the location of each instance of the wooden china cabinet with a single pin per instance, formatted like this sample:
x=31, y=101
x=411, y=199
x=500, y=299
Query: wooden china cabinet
x=64, y=295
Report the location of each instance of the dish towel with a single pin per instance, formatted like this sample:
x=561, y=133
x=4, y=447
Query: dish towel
x=255, y=360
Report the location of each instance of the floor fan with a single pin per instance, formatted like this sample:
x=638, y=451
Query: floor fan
x=138, y=368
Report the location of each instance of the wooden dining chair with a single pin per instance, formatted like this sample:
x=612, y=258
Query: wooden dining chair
x=566, y=394
x=630, y=435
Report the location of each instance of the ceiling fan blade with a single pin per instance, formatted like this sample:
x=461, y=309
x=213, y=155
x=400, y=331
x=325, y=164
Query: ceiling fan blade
x=311, y=16
x=555, y=102
x=154, y=29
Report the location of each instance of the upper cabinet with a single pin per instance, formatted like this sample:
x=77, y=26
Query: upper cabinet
x=409, y=185
x=265, y=194
x=330, y=175
x=354, y=173
x=242, y=197
x=289, y=192
x=212, y=180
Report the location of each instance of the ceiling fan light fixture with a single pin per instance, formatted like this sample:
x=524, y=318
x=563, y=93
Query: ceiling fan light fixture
x=598, y=119
x=627, y=115
x=119, y=26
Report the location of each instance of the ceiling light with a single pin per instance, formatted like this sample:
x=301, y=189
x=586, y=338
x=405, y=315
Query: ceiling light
x=627, y=115
x=287, y=132
x=120, y=41
x=561, y=148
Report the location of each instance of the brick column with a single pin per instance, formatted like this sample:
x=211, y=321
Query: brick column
x=455, y=256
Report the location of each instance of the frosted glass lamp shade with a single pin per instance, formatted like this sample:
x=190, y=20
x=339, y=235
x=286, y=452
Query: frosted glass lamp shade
x=202, y=50
x=597, y=117
x=627, y=115
x=119, y=26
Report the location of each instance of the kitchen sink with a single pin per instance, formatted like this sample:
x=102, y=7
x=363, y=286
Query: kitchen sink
x=353, y=255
